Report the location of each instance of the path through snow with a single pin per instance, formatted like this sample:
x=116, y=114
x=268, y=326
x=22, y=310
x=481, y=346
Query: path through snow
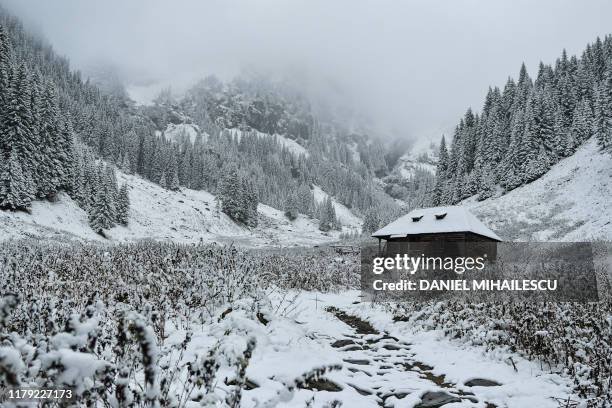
x=384, y=364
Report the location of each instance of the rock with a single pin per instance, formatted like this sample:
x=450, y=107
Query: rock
x=482, y=382
x=436, y=399
x=262, y=319
x=248, y=383
x=358, y=362
x=322, y=384
x=342, y=343
x=361, y=326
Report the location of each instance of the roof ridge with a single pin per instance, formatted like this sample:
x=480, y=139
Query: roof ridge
x=459, y=219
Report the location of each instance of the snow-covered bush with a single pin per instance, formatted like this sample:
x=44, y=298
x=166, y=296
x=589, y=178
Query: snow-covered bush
x=117, y=325
x=573, y=339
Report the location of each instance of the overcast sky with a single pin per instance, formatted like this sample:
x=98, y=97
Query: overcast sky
x=412, y=65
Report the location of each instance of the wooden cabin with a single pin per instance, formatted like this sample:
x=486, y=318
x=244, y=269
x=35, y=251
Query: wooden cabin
x=438, y=231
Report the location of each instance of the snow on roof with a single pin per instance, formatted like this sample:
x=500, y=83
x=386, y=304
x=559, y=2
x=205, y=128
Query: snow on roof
x=435, y=220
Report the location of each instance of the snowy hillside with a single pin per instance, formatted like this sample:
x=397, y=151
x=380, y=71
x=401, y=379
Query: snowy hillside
x=572, y=202
x=422, y=155
x=345, y=216
x=156, y=213
x=290, y=144
x=184, y=130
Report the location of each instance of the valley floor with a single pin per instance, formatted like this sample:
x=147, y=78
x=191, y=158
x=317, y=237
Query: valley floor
x=379, y=362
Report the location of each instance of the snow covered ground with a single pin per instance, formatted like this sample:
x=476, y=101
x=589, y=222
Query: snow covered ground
x=422, y=155
x=184, y=130
x=572, y=202
x=156, y=213
x=293, y=146
x=378, y=362
x=351, y=222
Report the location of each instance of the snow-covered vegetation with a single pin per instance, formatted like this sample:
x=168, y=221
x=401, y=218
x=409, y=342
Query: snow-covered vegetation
x=155, y=324
x=148, y=324
x=570, y=339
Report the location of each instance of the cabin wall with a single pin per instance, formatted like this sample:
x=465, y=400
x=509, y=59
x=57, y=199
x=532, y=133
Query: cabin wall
x=456, y=244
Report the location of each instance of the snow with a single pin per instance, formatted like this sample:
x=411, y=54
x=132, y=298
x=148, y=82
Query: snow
x=349, y=220
x=457, y=219
x=78, y=366
x=290, y=144
x=304, y=338
x=160, y=214
x=62, y=220
x=175, y=132
x=572, y=202
x=422, y=156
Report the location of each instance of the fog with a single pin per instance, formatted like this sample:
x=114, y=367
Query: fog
x=412, y=66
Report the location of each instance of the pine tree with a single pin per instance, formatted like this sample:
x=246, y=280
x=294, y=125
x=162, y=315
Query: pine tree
x=306, y=202
x=110, y=184
x=510, y=176
x=125, y=164
x=528, y=149
x=523, y=88
x=581, y=128
x=16, y=122
x=291, y=207
x=441, y=174
x=488, y=188
x=327, y=216
x=49, y=166
x=251, y=202
x=162, y=181
x=523, y=132
x=5, y=64
x=174, y=183
x=473, y=180
x=103, y=212
x=16, y=188
x=603, y=114
x=66, y=155
x=123, y=205
x=230, y=193
x=371, y=221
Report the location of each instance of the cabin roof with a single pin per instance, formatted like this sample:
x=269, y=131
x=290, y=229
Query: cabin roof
x=435, y=220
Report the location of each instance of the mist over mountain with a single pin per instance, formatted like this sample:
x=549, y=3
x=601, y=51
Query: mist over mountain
x=410, y=67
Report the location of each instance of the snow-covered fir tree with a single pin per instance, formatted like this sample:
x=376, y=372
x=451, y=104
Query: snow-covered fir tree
x=371, y=221
x=292, y=207
x=529, y=126
x=16, y=186
x=103, y=212
x=38, y=151
x=239, y=198
x=123, y=205
x=327, y=215
x=603, y=112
